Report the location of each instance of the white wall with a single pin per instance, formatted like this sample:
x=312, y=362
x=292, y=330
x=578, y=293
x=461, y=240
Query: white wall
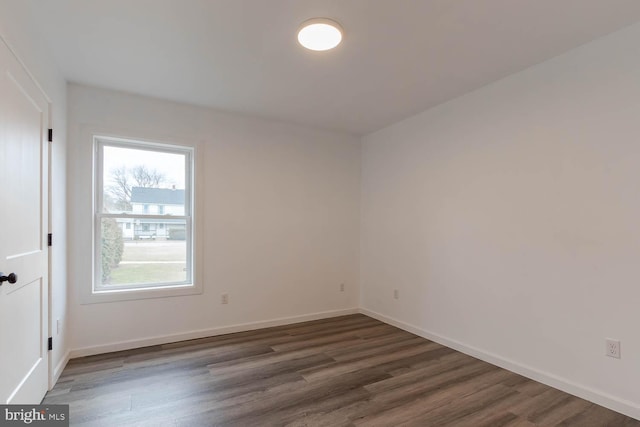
x=280, y=207
x=509, y=221
x=18, y=30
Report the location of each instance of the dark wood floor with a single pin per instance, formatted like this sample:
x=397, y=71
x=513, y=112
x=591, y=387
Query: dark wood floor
x=350, y=370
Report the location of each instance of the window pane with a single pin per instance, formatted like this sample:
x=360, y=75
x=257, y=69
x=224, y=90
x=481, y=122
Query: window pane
x=143, y=182
x=139, y=251
x=145, y=190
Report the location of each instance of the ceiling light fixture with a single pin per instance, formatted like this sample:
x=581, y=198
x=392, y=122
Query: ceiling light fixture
x=320, y=34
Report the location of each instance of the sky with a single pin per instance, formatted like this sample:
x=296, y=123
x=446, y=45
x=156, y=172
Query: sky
x=170, y=164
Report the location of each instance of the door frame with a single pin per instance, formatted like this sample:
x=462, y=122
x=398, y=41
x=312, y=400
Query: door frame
x=50, y=320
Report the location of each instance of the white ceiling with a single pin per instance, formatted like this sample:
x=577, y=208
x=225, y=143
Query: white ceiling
x=398, y=57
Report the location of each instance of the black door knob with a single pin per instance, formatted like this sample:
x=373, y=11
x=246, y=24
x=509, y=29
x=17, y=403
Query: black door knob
x=11, y=278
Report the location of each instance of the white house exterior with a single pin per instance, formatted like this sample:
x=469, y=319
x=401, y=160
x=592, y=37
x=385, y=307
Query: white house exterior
x=155, y=201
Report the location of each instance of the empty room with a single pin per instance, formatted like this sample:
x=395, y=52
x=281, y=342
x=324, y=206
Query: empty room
x=320, y=213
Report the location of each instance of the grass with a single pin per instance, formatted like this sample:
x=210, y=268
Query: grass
x=148, y=273
x=146, y=262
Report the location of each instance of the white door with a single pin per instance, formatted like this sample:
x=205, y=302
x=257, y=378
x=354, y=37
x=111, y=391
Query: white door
x=24, y=122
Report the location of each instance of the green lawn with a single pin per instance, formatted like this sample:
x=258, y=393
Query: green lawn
x=151, y=262
x=148, y=273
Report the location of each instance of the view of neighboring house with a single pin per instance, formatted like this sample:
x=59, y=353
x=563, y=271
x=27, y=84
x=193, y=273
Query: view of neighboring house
x=155, y=201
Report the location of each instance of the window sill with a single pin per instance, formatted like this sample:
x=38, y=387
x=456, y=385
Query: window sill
x=104, y=296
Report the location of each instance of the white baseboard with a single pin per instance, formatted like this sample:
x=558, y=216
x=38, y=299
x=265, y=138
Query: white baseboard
x=57, y=371
x=203, y=333
x=596, y=396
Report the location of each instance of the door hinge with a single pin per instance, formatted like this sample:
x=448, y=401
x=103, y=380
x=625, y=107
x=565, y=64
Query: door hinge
x=50, y=239
x=50, y=343
x=50, y=135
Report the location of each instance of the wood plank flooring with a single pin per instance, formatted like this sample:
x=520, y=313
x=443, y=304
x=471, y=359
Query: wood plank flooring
x=344, y=371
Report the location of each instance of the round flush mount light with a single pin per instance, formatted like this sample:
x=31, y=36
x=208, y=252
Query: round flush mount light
x=320, y=34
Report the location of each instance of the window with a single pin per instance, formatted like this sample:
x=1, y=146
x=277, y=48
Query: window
x=134, y=250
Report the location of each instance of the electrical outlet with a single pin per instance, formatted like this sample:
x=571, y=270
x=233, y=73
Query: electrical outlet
x=396, y=294
x=224, y=299
x=341, y=287
x=612, y=348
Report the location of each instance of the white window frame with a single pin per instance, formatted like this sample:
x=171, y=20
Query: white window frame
x=142, y=291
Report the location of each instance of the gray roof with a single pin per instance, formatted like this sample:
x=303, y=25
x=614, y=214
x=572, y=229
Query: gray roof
x=157, y=196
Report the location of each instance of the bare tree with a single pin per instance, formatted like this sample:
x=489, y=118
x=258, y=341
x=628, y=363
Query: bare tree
x=124, y=179
x=144, y=177
x=120, y=189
